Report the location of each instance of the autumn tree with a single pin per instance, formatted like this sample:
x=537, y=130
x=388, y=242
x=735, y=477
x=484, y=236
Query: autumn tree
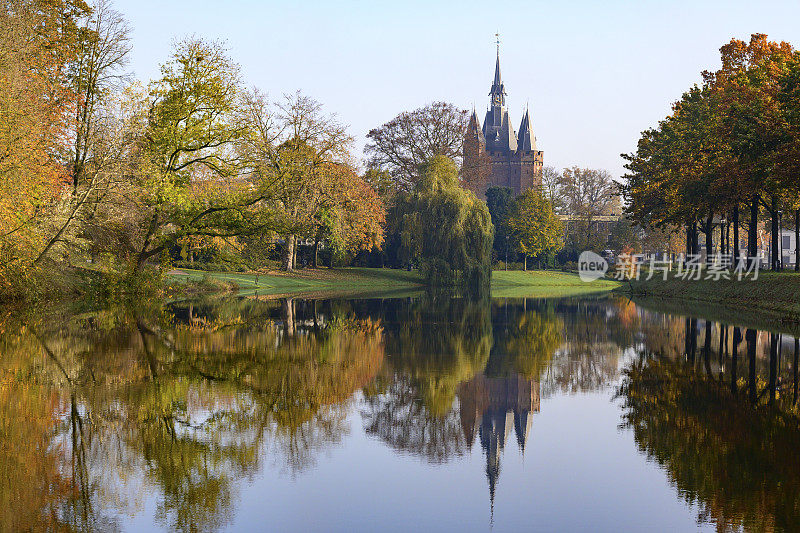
x=586, y=194
x=38, y=41
x=719, y=149
x=551, y=188
x=102, y=51
x=382, y=182
x=352, y=215
x=292, y=148
x=748, y=85
x=412, y=138
x=535, y=230
x=190, y=173
x=98, y=138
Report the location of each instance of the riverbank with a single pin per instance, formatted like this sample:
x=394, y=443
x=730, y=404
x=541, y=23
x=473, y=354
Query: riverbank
x=774, y=296
x=309, y=280
x=544, y=284
x=512, y=283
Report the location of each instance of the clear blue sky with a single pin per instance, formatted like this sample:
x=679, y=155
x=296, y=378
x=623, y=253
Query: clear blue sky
x=595, y=73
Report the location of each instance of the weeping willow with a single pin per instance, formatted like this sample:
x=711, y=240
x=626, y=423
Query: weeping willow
x=447, y=230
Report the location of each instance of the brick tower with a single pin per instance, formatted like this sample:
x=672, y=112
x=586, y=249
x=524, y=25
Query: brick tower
x=494, y=155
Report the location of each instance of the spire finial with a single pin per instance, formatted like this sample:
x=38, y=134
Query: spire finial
x=497, y=41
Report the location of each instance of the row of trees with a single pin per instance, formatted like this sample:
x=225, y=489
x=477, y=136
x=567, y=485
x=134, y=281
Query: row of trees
x=97, y=170
x=731, y=144
x=102, y=174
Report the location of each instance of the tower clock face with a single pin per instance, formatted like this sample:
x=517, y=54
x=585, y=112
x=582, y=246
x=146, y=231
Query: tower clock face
x=496, y=99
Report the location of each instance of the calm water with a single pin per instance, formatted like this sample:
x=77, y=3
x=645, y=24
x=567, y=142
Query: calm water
x=401, y=414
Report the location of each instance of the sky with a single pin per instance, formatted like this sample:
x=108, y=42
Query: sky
x=595, y=74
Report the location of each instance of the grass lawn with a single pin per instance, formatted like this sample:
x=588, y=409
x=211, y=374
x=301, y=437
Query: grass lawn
x=772, y=298
x=544, y=283
x=376, y=280
x=349, y=280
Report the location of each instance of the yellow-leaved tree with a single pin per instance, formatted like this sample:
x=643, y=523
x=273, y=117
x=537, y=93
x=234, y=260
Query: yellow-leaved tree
x=534, y=228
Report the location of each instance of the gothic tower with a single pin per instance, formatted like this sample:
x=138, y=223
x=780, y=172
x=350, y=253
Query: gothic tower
x=495, y=155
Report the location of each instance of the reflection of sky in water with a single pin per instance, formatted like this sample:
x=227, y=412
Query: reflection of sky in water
x=578, y=473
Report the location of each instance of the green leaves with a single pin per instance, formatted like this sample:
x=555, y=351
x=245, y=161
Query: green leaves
x=447, y=229
x=191, y=118
x=534, y=228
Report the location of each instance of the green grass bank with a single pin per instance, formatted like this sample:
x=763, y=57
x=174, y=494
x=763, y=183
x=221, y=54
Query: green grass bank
x=356, y=281
x=773, y=297
x=340, y=280
x=544, y=284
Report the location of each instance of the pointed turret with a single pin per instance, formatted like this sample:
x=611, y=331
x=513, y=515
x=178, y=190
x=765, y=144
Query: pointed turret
x=497, y=79
x=474, y=129
x=522, y=427
x=527, y=140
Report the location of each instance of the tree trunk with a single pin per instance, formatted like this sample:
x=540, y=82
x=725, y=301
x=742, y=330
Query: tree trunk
x=727, y=238
x=797, y=240
x=752, y=231
x=794, y=368
x=774, y=238
x=143, y=253
x=72, y=215
x=736, y=234
x=709, y=238
x=288, y=316
x=525, y=262
x=690, y=339
x=289, y=258
x=316, y=252
x=688, y=239
x=707, y=348
x=695, y=237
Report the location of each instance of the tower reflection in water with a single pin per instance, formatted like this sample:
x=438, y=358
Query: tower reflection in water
x=494, y=406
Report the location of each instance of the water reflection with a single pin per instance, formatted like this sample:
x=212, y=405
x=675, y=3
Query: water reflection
x=188, y=406
x=495, y=406
x=107, y=414
x=720, y=415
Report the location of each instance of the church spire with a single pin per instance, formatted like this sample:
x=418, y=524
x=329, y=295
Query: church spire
x=497, y=80
x=498, y=92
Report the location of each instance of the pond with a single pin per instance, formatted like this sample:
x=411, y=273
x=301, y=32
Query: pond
x=401, y=413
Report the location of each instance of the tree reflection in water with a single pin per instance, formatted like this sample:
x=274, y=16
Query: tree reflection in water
x=99, y=410
x=457, y=367
x=132, y=400
x=728, y=441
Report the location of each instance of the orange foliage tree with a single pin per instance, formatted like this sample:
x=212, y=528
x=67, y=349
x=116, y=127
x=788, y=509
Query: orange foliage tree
x=38, y=39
